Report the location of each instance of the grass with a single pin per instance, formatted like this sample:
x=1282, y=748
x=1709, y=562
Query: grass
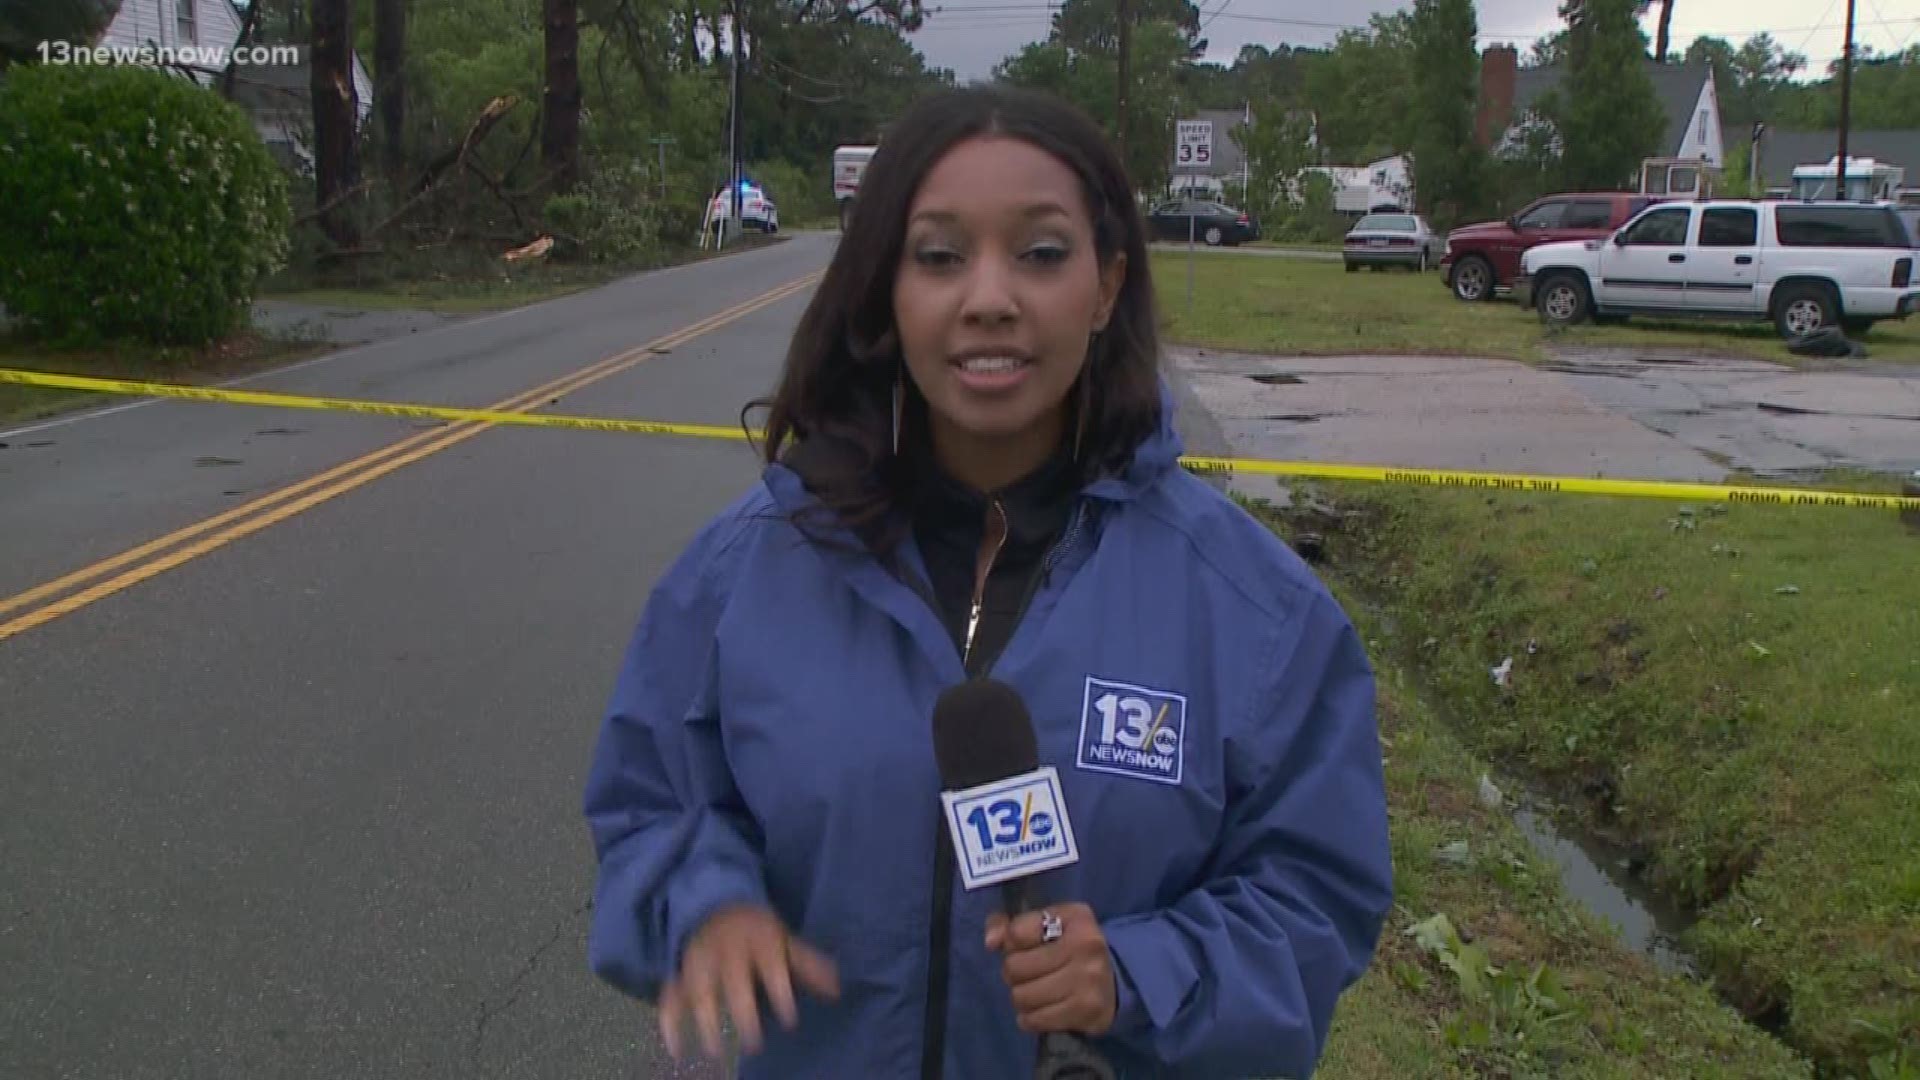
x=1299, y=245
x=240, y=354
x=1730, y=694
x=469, y=288
x=1262, y=304
x=1564, y=999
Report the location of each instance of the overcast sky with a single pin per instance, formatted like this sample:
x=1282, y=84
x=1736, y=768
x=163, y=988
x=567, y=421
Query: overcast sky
x=971, y=36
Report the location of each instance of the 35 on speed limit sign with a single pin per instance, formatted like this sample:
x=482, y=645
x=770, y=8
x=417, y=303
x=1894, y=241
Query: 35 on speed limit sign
x=1195, y=145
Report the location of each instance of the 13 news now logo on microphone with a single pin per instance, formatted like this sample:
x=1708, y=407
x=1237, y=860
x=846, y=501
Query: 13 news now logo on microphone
x=1133, y=731
x=1010, y=828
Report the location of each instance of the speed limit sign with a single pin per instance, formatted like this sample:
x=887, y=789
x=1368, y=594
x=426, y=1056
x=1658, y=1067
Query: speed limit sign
x=1194, y=148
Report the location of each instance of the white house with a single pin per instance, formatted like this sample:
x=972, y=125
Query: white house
x=174, y=24
x=1390, y=184
x=1386, y=184
x=275, y=95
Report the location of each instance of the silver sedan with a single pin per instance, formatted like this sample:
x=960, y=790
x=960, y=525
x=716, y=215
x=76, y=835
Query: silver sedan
x=1381, y=240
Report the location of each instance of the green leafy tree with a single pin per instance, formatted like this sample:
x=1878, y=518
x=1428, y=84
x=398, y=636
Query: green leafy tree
x=1886, y=94
x=1258, y=76
x=1277, y=145
x=1548, y=50
x=1361, y=92
x=1093, y=25
x=1088, y=78
x=1750, y=79
x=1605, y=109
x=1448, y=163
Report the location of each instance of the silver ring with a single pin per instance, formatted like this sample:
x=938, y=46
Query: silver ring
x=1050, y=926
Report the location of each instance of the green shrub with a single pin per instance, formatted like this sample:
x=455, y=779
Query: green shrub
x=137, y=205
x=804, y=196
x=1313, y=219
x=617, y=216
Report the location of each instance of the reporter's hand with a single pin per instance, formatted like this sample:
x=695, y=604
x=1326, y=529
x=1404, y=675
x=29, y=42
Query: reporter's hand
x=732, y=950
x=1061, y=985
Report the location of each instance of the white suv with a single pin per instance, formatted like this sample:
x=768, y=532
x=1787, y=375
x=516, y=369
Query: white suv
x=1804, y=265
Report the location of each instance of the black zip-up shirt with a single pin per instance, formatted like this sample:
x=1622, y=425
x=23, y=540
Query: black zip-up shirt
x=950, y=524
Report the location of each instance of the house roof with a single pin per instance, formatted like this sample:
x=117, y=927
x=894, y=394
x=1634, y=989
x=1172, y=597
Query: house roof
x=287, y=87
x=1676, y=85
x=1782, y=151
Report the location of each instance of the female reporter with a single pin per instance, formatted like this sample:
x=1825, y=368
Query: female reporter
x=972, y=470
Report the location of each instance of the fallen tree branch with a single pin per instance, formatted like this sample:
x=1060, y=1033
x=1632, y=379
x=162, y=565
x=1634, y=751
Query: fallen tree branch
x=315, y=213
x=513, y=208
x=457, y=155
x=482, y=125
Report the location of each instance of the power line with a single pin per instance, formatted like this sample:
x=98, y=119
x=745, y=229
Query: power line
x=1804, y=42
x=797, y=95
x=1901, y=46
x=1877, y=14
x=1224, y=4
x=831, y=84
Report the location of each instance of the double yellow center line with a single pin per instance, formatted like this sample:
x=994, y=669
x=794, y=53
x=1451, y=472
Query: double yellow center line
x=45, y=603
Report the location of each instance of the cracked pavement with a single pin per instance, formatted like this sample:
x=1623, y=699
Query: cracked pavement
x=1586, y=413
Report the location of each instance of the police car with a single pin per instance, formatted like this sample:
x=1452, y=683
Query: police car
x=756, y=208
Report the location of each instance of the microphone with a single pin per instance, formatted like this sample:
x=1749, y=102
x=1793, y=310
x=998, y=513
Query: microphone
x=1008, y=820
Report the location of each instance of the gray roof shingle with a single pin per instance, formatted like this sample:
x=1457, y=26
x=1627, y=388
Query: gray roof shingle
x=1782, y=151
x=1676, y=85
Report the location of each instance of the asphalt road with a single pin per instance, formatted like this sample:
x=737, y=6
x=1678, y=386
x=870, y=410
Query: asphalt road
x=307, y=803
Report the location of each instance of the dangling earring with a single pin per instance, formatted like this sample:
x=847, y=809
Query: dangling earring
x=899, y=403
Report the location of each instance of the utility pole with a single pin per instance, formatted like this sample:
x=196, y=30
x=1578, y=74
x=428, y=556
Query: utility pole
x=662, y=142
x=733, y=129
x=1846, y=103
x=1120, y=94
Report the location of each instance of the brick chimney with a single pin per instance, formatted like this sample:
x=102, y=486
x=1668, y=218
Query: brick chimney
x=1499, y=70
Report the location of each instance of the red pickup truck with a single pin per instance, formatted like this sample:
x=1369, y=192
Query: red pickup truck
x=1483, y=258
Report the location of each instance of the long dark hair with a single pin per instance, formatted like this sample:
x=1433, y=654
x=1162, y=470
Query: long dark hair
x=834, y=404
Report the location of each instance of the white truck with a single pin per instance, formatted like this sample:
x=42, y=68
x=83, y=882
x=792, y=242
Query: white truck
x=1804, y=265
x=849, y=165
x=1867, y=180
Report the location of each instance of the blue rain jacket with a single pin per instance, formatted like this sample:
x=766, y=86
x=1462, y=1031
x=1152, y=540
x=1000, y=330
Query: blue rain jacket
x=769, y=742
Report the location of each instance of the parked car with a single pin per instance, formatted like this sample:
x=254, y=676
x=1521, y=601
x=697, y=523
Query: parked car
x=1382, y=240
x=1484, y=258
x=757, y=210
x=1213, y=223
x=1804, y=265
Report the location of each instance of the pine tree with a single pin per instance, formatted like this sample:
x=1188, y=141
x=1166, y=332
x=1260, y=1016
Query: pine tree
x=1607, y=113
x=1448, y=163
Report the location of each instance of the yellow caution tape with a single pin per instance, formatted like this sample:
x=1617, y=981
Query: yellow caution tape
x=1571, y=485
x=366, y=408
